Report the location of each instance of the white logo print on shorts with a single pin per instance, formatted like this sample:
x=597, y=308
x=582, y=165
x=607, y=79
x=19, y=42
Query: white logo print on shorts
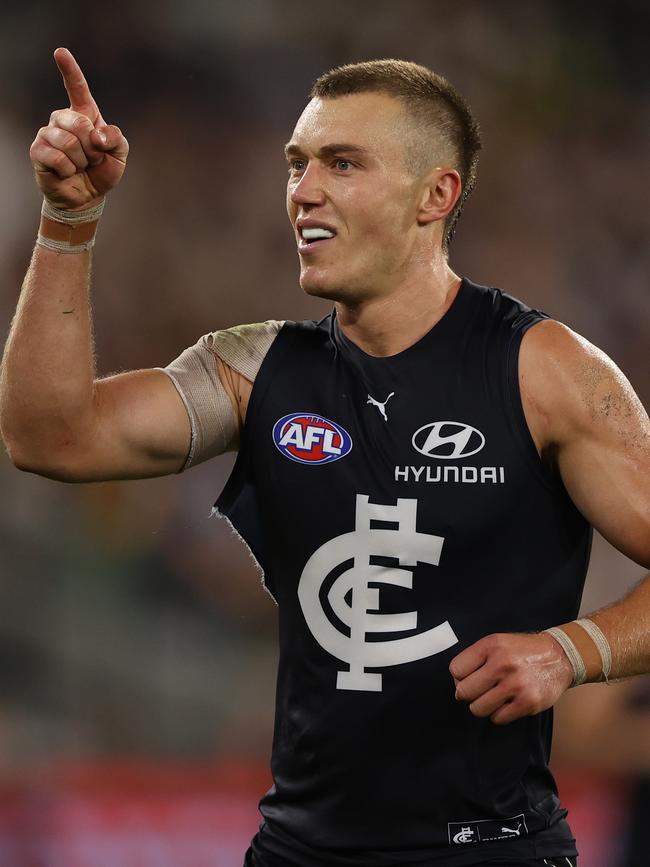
x=478, y=830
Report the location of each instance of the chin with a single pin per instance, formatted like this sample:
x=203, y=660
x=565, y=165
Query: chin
x=343, y=293
x=321, y=287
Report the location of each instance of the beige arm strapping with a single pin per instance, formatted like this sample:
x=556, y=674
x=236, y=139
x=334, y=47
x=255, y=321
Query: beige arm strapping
x=194, y=373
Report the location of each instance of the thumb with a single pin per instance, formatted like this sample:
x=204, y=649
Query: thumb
x=99, y=138
x=110, y=138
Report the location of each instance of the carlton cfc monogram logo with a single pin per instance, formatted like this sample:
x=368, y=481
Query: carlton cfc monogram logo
x=403, y=544
x=311, y=439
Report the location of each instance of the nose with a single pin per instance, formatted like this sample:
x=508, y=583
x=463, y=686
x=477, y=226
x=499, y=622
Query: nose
x=307, y=188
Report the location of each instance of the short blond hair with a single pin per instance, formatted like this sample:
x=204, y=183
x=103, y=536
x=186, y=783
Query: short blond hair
x=432, y=104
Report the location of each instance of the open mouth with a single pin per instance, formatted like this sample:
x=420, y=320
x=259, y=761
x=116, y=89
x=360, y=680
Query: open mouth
x=318, y=234
x=312, y=237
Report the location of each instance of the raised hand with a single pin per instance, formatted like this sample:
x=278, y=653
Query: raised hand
x=77, y=157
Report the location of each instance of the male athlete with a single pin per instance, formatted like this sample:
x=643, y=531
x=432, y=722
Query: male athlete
x=417, y=475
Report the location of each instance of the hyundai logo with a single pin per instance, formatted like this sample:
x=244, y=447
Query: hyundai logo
x=448, y=440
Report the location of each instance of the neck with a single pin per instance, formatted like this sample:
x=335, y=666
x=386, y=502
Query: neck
x=387, y=324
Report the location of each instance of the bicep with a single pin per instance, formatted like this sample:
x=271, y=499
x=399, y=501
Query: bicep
x=156, y=422
x=139, y=429
x=600, y=434
x=605, y=467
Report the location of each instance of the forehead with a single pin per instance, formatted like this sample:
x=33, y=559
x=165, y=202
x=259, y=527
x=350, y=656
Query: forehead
x=373, y=121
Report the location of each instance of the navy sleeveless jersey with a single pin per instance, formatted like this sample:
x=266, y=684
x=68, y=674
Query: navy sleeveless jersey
x=400, y=512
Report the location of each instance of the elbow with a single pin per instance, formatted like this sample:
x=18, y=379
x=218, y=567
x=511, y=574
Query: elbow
x=26, y=464
x=16, y=454
x=642, y=543
x=40, y=464
x=22, y=457
x=641, y=552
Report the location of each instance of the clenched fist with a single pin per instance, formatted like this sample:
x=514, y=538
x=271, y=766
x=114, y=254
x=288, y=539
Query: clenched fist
x=509, y=675
x=77, y=157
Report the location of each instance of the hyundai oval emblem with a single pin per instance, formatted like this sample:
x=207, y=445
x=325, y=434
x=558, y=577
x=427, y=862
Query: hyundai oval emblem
x=448, y=440
x=311, y=439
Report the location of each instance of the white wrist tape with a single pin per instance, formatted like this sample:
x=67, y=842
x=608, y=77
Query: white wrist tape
x=574, y=655
x=62, y=246
x=68, y=231
x=601, y=642
x=72, y=217
x=576, y=660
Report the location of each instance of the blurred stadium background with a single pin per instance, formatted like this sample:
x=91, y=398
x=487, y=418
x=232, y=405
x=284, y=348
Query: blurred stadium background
x=137, y=649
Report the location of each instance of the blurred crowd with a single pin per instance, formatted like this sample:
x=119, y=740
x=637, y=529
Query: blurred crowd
x=131, y=623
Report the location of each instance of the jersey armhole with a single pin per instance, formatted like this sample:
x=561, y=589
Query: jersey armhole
x=239, y=472
x=520, y=428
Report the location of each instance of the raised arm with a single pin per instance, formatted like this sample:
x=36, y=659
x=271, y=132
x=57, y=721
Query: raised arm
x=57, y=419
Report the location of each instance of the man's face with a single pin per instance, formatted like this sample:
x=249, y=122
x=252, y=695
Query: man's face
x=348, y=178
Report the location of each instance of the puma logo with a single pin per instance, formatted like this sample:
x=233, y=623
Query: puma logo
x=380, y=406
x=510, y=830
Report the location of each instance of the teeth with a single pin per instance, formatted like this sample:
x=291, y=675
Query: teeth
x=314, y=234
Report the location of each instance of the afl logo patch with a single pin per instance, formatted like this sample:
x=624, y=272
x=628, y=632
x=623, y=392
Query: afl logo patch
x=448, y=440
x=311, y=439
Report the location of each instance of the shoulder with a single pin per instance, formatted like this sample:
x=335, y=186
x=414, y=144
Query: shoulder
x=238, y=353
x=243, y=347
x=495, y=308
x=568, y=385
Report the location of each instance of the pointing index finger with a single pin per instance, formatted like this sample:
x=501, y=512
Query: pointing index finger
x=76, y=85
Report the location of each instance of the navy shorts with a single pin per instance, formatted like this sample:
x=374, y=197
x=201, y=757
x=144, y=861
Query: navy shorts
x=557, y=861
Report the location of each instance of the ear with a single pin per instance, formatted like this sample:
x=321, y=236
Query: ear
x=441, y=190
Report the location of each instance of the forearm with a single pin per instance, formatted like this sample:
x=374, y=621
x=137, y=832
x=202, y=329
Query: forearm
x=626, y=625
x=48, y=366
x=509, y=675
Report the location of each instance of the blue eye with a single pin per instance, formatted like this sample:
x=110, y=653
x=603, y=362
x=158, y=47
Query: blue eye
x=343, y=165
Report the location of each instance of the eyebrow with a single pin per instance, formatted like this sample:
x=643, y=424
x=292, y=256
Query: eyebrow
x=292, y=150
